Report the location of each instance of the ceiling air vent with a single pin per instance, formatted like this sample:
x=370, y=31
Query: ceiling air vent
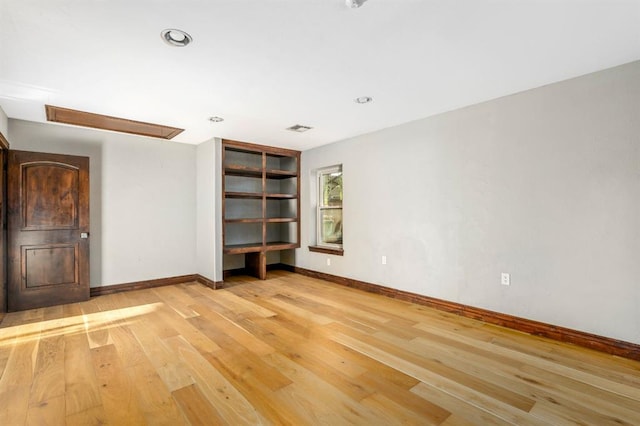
x=299, y=128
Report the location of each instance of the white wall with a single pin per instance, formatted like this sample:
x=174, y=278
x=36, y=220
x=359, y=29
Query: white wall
x=544, y=185
x=143, y=199
x=205, y=209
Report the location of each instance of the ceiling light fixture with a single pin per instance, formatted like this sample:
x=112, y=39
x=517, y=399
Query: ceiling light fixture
x=363, y=100
x=216, y=119
x=354, y=4
x=176, y=38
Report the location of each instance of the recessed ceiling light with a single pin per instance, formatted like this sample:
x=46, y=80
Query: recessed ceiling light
x=216, y=119
x=299, y=128
x=363, y=100
x=177, y=38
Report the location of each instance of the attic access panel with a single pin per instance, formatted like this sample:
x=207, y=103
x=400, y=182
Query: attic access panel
x=105, y=122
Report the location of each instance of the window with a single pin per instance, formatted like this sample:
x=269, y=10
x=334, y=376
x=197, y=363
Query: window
x=329, y=210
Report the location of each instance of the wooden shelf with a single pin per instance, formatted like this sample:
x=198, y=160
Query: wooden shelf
x=270, y=177
x=281, y=245
x=240, y=147
x=243, y=248
x=257, y=195
x=280, y=174
x=259, y=220
x=244, y=220
x=246, y=195
x=282, y=196
x=242, y=171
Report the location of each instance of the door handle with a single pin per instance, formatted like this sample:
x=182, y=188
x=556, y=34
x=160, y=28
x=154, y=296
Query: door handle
x=84, y=235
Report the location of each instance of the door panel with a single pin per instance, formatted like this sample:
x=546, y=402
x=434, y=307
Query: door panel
x=47, y=265
x=49, y=196
x=48, y=211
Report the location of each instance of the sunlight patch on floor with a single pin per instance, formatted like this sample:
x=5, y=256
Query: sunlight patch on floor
x=75, y=324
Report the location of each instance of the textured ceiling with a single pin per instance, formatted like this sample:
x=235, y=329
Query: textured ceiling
x=265, y=65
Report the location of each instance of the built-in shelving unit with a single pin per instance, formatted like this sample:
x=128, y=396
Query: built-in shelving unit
x=261, y=202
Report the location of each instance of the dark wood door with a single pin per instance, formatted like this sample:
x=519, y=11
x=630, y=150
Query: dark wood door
x=48, y=229
x=3, y=229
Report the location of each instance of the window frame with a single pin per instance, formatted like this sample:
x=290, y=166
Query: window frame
x=320, y=246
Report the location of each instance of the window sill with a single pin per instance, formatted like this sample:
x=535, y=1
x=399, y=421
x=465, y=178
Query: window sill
x=327, y=250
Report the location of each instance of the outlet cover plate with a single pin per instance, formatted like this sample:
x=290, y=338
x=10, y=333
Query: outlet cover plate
x=505, y=279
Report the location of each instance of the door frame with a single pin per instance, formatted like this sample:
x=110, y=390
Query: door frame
x=4, y=149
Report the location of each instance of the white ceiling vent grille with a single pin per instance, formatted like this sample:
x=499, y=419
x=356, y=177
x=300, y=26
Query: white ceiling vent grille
x=299, y=128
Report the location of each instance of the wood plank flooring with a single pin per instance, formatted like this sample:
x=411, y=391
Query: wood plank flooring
x=298, y=351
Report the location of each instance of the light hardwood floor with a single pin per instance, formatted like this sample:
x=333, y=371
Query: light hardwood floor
x=294, y=350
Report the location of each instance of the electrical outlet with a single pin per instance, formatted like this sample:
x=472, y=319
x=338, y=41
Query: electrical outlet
x=328, y=261
x=384, y=260
x=505, y=279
